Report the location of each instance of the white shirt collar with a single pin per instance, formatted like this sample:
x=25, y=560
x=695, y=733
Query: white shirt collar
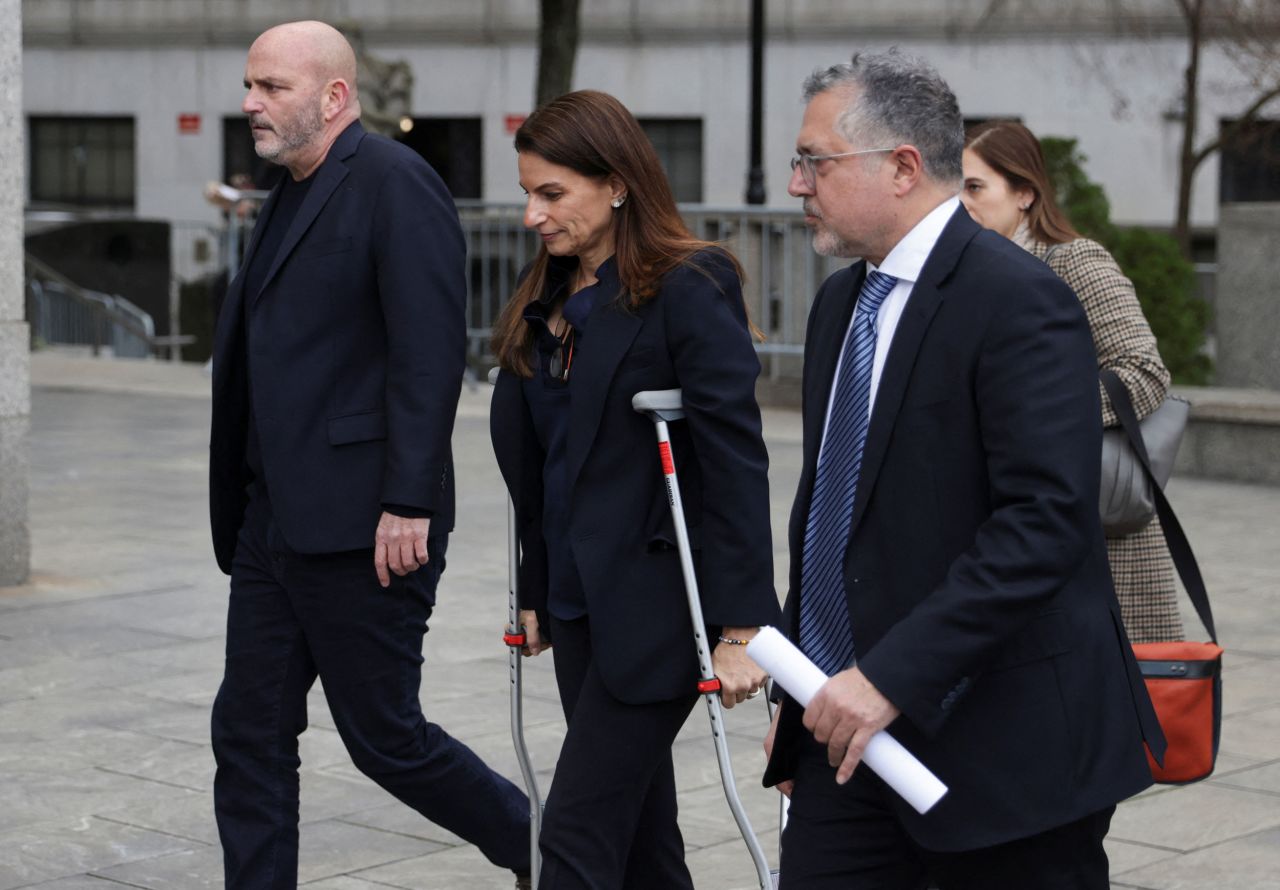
x=907, y=258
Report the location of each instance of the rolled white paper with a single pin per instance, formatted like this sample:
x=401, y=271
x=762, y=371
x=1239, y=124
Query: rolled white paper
x=802, y=679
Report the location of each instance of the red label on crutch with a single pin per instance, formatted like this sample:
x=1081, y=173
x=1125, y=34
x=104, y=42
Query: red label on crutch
x=664, y=452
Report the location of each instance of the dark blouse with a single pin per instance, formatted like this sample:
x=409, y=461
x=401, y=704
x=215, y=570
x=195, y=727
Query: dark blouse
x=549, y=398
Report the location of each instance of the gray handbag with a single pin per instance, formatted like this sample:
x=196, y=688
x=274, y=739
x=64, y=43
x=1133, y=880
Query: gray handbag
x=1126, y=501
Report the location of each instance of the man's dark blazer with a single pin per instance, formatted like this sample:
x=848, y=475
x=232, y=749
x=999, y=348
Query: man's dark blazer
x=692, y=334
x=358, y=349
x=976, y=577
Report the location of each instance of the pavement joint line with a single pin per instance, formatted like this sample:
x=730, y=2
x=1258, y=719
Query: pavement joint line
x=349, y=820
x=106, y=597
x=356, y=873
x=148, y=828
x=1146, y=845
x=143, y=733
x=1265, y=792
x=196, y=746
x=1242, y=769
x=1228, y=840
x=357, y=876
x=129, y=775
x=120, y=883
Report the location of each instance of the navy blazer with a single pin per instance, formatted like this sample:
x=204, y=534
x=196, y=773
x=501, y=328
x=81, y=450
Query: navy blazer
x=976, y=577
x=693, y=334
x=358, y=338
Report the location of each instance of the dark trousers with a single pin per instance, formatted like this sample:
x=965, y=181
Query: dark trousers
x=610, y=820
x=847, y=838
x=292, y=618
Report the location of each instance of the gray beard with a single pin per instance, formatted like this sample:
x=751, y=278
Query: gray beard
x=297, y=134
x=826, y=243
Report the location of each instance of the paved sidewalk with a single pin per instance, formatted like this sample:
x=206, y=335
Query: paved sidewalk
x=110, y=657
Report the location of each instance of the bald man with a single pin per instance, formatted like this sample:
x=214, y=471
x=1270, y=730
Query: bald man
x=337, y=366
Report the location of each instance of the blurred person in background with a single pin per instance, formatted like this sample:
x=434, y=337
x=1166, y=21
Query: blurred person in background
x=1007, y=190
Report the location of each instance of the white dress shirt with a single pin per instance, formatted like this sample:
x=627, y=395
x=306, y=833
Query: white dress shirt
x=904, y=263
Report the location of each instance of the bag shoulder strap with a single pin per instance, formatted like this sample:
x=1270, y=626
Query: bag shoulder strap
x=1179, y=547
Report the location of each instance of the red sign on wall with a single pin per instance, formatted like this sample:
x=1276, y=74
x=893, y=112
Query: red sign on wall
x=188, y=123
x=514, y=122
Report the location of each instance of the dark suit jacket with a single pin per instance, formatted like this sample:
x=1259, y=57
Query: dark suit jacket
x=358, y=339
x=692, y=334
x=976, y=576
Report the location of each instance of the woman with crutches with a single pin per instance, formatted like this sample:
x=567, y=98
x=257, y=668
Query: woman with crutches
x=621, y=298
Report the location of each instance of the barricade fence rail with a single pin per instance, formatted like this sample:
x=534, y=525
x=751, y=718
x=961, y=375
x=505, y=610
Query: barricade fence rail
x=62, y=312
x=781, y=270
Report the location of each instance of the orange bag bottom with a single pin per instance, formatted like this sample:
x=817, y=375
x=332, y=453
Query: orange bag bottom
x=1187, y=706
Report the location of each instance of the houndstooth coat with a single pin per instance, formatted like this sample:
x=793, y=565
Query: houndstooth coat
x=1140, y=563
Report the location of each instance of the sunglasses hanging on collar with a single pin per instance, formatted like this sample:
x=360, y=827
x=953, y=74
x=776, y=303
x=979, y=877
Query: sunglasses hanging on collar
x=562, y=358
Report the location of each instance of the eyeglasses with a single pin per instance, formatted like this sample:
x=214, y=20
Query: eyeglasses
x=808, y=164
x=562, y=357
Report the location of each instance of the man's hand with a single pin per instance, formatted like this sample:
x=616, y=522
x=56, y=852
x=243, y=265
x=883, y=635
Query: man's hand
x=783, y=787
x=400, y=544
x=846, y=712
x=740, y=677
x=533, y=642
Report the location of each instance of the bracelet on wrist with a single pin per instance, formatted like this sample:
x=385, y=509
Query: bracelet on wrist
x=732, y=642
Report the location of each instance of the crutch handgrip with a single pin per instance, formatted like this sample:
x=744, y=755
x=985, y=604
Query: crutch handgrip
x=664, y=404
x=707, y=687
x=514, y=639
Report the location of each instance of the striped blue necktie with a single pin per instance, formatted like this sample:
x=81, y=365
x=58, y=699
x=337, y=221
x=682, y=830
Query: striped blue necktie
x=825, y=635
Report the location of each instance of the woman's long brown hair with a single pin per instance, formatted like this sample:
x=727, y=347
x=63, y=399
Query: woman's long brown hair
x=1013, y=151
x=593, y=134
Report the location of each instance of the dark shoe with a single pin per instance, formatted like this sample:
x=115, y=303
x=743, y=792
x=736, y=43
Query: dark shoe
x=524, y=882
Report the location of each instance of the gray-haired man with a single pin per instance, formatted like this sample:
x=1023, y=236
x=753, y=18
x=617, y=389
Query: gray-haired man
x=948, y=565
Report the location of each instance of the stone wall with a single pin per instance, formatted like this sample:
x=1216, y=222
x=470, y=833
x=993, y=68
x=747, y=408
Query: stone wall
x=15, y=385
x=1248, y=301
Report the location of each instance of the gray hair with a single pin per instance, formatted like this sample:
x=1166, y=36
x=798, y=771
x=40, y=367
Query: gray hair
x=900, y=99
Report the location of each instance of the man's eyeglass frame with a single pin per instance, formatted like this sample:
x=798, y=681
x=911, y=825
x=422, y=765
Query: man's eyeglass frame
x=808, y=164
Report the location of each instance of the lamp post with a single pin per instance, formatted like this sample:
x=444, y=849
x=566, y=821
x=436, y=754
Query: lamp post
x=755, y=174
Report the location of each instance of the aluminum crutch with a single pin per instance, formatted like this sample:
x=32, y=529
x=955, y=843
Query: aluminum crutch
x=663, y=406
x=515, y=638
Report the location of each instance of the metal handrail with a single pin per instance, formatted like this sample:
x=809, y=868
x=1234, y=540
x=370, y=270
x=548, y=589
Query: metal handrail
x=101, y=308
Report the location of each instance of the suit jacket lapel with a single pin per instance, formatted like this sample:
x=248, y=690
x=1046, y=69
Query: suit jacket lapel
x=332, y=171
x=232, y=310
x=926, y=297
x=260, y=226
x=822, y=356
x=608, y=336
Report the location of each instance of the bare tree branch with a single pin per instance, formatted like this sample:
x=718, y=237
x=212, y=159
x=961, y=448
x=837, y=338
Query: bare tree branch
x=1232, y=130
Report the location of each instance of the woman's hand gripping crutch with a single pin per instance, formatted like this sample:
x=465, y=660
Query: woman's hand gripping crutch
x=663, y=407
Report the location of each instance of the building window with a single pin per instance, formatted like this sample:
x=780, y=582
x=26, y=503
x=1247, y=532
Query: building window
x=1249, y=169
x=452, y=146
x=678, y=142
x=86, y=161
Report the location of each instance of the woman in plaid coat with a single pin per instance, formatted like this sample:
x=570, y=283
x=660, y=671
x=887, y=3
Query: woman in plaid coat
x=1007, y=189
